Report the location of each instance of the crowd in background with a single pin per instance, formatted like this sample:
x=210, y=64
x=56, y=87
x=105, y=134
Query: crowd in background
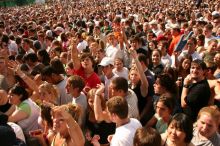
x=110, y=72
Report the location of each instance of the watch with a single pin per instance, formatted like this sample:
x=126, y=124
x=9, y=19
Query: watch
x=186, y=86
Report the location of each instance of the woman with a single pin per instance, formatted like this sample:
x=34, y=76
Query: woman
x=43, y=57
x=65, y=124
x=206, y=130
x=97, y=128
x=164, y=107
x=179, y=132
x=156, y=65
x=184, y=66
x=138, y=81
x=26, y=113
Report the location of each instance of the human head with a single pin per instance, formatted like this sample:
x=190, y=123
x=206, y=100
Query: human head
x=156, y=57
x=117, y=106
x=46, y=114
x=208, y=121
x=118, y=64
x=134, y=75
x=59, y=123
x=17, y=94
x=147, y=136
x=191, y=45
x=43, y=57
x=197, y=69
x=87, y=60
x=75, y=85
x=119, y=86
x=48, y=92
x=107, y=64
x=180, y=128
x=207, y=30
x=164, y=106
x=57, y=65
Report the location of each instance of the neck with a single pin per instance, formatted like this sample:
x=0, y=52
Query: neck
x=89, y=71
x=176, y=143
x=109, y=76
x=122, y=122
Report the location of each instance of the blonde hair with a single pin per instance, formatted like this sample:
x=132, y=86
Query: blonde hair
x=51, y=89
x=211, y=111
x=133, y=68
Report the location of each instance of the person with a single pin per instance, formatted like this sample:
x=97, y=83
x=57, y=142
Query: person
x=74, y=87
x=26, y=113
x=206, y=129
x=94, y=125
x=179, y=132
x=164, y=107
x=147, y=137
x=117, y=108
x=195, y=86
x=156, y=65
x=65, y=124
x=119, y=68
x=119, y=87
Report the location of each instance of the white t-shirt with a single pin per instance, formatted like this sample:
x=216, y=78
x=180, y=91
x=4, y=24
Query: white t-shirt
x=124, y=134
x=123, y=73
x=114, y=52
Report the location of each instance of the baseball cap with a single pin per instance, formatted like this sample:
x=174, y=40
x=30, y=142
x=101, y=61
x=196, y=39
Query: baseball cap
x=106, y=61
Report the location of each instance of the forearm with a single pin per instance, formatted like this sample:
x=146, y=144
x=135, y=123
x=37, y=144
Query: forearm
x=183, y=96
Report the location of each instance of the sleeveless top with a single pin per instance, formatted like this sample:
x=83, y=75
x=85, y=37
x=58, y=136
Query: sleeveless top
x=30, y=123
x=102, y=129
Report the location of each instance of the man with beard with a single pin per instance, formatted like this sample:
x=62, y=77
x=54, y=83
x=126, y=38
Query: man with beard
x=196, y=91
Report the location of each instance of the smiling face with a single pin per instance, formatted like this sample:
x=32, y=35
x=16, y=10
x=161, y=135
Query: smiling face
x=196, y=72
x=86, y=63
x=134, y=76
x=59, y=124
x=14, y=98
x=156, y=57
x=175, y=134
x=186, y=64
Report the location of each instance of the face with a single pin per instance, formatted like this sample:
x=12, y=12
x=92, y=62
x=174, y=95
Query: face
x=44, y=95
x=158, y=89
x=217, y=58
x=207, y=32
x=107, y=70
x=175, y=134
x=135, y=44
x=59, y=124
x=134, y=76
x=112, y=91
x=14, y=99
x=118, y=64
x=111, y=40
x=162, y=110
x=186, y=64
x=212, y=46
x=86, y=63
x=190, y=46
x=196, y=71
x=156, y=57
x=206, y=125
x=2, y=64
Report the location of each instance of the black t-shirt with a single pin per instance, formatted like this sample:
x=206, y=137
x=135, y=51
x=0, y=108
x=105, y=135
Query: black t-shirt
x=4, y=108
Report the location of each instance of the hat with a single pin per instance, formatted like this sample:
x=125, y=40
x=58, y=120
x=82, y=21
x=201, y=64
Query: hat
x=106, y=61
x=59, y=29
x=215, y=14
x=153, y=22
x=49, y=33
x=175, y=26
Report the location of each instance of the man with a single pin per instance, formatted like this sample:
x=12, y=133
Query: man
x=190, y=50
x=117, y=108
x=196, y=91
x=107, y=66
x=207, y=31
x=119, y=87
x=74, y=87
x=51, y=76
x=175, y=31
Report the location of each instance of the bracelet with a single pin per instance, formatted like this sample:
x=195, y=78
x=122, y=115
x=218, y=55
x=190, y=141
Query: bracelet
x=186, y=86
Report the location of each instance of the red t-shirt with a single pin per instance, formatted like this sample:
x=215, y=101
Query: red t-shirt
x=90, y=81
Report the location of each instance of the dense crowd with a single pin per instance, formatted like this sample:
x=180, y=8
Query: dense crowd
x=110, y=72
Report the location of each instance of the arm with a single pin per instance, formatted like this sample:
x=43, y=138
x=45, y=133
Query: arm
x=100, y=115
x=151, y=122
x=185, y=90
x=74, y=54
x=17, y=116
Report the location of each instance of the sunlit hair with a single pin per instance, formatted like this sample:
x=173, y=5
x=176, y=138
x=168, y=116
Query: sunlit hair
x=91, y=94
x=73, y=109
x=51, y=89
x=133, y=68
x=211, y=111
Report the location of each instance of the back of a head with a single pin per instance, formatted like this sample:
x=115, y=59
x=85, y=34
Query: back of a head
x=147, y=137
x=120, y=83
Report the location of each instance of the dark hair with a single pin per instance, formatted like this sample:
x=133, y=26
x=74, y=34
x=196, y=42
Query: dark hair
x=143, y=58
x=183, y=123
x=5, y=38
x=48, y=71
x=31, y=57
x=147, y=136
x=167, y=82
x=119, y=106
x=120, y=83
x=169, y=102
x=18, y=90
x=200, y=63
x=87, y=55
x=46, y=114
x=57, y=65
x=76, y=82
x=45, y=56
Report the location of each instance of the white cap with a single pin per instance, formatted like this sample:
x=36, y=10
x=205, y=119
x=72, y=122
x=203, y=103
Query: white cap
x=106, y=61
x=59, y=29
x=153, y=22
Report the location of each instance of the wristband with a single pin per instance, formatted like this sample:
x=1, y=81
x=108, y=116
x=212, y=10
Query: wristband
x=186, y=86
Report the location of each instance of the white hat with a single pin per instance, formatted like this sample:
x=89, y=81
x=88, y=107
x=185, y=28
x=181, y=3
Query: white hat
x=59, y=29
x=215, y=14
x=49, y=33
x=174, y=26
x=106, y=61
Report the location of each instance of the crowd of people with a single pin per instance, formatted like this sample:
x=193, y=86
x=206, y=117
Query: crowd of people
x=110, y=72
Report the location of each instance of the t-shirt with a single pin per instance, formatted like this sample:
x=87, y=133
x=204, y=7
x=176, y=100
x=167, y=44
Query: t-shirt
x=124, y=134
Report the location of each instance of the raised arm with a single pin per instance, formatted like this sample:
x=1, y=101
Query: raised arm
x=144, y=82
x=100, y=115
x=74, y=54
x=30, y=82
